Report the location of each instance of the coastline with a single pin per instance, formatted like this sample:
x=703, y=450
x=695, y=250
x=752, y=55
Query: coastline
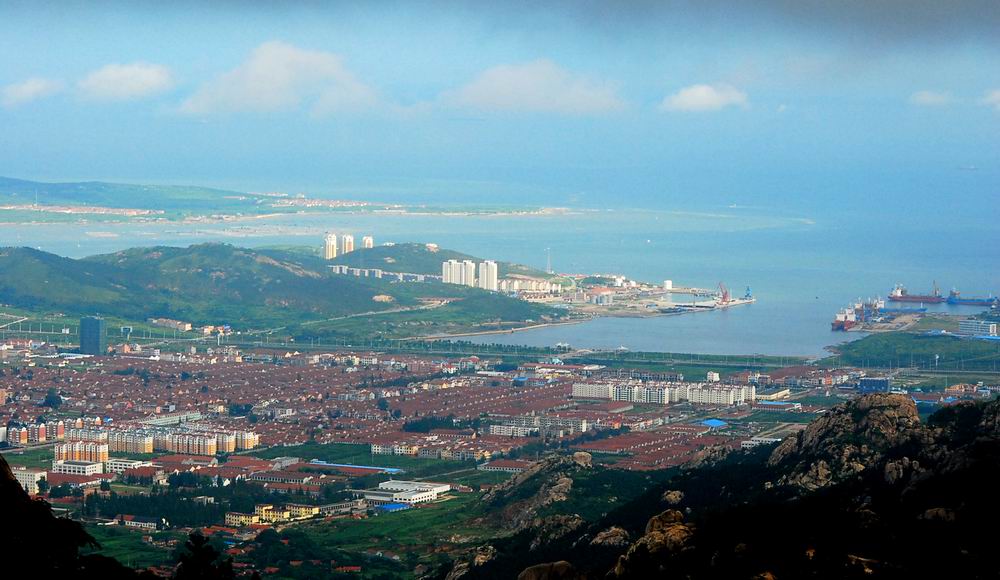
x=505, y=331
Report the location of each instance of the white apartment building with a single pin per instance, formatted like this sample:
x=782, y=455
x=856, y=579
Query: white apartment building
x=367, y=242
x=488, y=276
x=665, y=393
x=593, y=391
x=512, y=430
x=455, y=272
x=330, y=246
x=468, y=273
x=346, y=244
x=978, y=327
x=28, y=478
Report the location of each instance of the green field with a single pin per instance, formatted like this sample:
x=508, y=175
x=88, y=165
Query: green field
x=420, y=529
x=949, y=323
x=361, y=455
x=33, y=458
x=127, y=546
x=919, y=351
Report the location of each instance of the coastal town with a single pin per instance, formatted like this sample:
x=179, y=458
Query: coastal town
x=354, y=434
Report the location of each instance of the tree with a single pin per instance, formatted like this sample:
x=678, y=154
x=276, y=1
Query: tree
x=382, y=404
x=43, y=485
x=105, y=485
x=59, y=491
x=198, y=559
x=52, y=399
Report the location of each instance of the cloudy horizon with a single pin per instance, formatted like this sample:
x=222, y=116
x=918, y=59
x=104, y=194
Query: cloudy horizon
x=792, y=100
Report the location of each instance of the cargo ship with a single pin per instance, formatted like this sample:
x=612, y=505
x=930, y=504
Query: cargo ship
x=955, y=298
x=858, y=314
x=899, y=294
x=846, y=319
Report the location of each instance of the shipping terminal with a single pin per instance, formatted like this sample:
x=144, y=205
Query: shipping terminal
x=873, y=311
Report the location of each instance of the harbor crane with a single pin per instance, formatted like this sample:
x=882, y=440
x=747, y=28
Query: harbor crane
x=723, y=294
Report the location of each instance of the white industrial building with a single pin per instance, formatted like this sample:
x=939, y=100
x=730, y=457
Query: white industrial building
x=77, y=467
x=119, y=465
x=408, y=492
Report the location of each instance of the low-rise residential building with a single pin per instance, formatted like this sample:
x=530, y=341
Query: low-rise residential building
x=505, y=465
x=241, y=519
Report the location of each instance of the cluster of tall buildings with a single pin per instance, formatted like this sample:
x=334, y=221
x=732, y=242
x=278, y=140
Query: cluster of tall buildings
x=666, y=393
x=86, y=438
x=464, y=273
x=334, y=246
x=81, y=451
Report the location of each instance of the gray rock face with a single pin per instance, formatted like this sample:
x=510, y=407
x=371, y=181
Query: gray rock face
x=613, y=536
x=847, y=441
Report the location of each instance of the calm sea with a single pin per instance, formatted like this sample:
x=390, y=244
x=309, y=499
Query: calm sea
x=802, y=270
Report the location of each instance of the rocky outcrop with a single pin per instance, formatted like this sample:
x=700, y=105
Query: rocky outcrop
x=552, y=528
x=480, y=557
x=846, y=441
x=613, y=536
x=561, y=570
x=583, y=459
x=543, y=483
x=666, y=533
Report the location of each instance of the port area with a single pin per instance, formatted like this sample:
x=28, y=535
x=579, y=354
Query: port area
x=642, y=302
x=872, y=316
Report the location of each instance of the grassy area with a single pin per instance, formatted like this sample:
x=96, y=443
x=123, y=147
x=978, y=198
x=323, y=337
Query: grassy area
x=949, y=323
x=920, y=351
x=418, y=259
x=779, y=417
x=125, y=489
x=420, y=529
x=596, y=492
x=474, y=477
x=33, y=458
x=361, y=455
x=127, y=546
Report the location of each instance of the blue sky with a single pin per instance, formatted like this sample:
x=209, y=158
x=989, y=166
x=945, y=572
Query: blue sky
x=804, y=106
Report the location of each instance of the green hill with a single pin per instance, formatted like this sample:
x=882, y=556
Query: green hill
x=170, y=198
x=219, y=283
x=419, y=259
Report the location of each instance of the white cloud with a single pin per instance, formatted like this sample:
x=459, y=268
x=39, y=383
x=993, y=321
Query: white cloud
x=538, y=86
x=279, y=76
x=28, y=90
x=931, y=99
x=705, y=98
x=121, y=82
x=992, y=99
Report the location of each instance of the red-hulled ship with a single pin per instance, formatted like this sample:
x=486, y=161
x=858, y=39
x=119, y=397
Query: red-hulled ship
x=899, y=294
